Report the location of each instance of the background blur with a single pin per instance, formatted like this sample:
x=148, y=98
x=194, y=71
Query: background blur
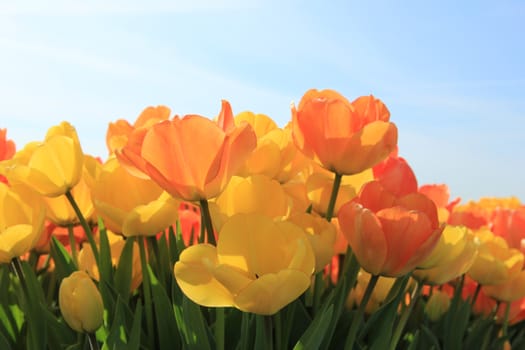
x=451, y=72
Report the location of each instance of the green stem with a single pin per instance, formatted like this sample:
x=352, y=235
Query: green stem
x=404, y=317
x=333, y=196
x=93, y=343
x=263, y=333
x=219, y=328
x=268, y=326
x=356, y=321
x=245, y=330
x=205, y=210
x=278, y=332
x=318, y=291
x=85, y=226
x=147, y=292
x=505, y=325
x=475, y=296
x=345, y=283
x=72, y=243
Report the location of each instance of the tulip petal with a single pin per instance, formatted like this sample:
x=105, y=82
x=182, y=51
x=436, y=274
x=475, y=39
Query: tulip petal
x=365, y=235
x=194, y=275
x=271, y=292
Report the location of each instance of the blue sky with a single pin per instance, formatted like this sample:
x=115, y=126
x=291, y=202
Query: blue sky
x=452, y=73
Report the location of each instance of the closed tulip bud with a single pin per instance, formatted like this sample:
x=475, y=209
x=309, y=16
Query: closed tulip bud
x=80, y=302
x=437, y=305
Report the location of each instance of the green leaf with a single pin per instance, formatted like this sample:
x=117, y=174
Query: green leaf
x=314, y=335
x=196, y=334
x=59, y=333
x=117, y=337
x=64, y=264
x=345, y=283
x=173, y=246
x=380, y=324
x=167, y=331
x=105, y=264
x=134, y=339
x=165, y=265
x=432, y=337
x=123, y=273
x=34, y=311
x=4, y=343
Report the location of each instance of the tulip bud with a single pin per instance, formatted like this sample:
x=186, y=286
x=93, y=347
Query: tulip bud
x=437, y=305
x=80, y=302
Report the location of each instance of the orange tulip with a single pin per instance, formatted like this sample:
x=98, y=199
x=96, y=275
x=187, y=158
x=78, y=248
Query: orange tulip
x=396, y=175
x=390, y=236
x=440, y=195
x=192, y=158
x=510, y=224
x=118, y=132
x=345, y=138
x=7, y=150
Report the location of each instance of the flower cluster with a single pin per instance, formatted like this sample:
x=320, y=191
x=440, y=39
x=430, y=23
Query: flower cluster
x=294, y=235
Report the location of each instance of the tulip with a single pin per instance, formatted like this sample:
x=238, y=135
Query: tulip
x=319, y=189
x=343, y=137
x=52, y=167
x=510, y=290
x=22, y=216
x=379, y=294
x=7, y=150
x=86, y=259
x=437, y=305
x=60, y=211
x=7, y=147
x=257, y=193
x=275, y=155
x=510, y=224
x=258, y=266
x=320, y=233
x=453, y=256
x=192, y=158
x=390, y=236
x=495, y=263
x=80, y=302
x=130, y=205
x=119, y=131
x=396, y=175
x=440, y=196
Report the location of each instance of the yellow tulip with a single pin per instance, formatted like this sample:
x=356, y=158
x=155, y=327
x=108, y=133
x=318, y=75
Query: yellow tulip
x=321, y=235
x=80, y=302
x=319, y=188
x=51, y=167
x=22, y=215
x=60, y=211
x=437, y=305
x=276, y=155
x=258, y=266
x=131, y=205
x=495, y=263
x=254, y=194
x=87, y=262
x=379, y=294
x=510, y=290
x=453, y=256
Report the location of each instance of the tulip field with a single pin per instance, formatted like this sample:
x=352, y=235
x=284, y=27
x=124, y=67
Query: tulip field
x=230, y=232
